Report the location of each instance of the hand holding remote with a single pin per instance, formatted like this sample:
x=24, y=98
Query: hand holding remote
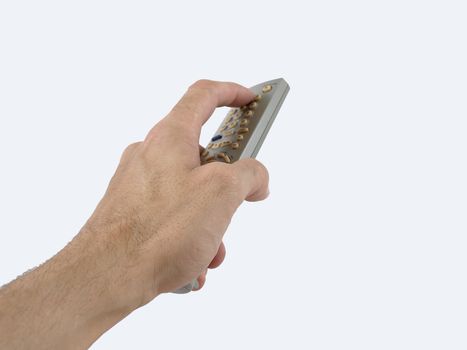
x=167, y=213
x=159, y=225
x=243, y=131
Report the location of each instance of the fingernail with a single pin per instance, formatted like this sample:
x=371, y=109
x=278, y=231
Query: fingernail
x=195, y=284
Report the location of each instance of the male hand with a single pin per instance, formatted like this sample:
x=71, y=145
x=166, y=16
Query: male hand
x=168, y=213
x=159, y=226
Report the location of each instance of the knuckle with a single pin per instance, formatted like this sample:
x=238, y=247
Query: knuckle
x=160, y=132
x=130, y=149
x=186, y=109
x=132, y=146
x=201, y=84
x=154, y=132
x=203, y=90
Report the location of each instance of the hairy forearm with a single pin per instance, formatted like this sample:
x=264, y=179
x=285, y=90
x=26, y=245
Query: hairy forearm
x=66, y=303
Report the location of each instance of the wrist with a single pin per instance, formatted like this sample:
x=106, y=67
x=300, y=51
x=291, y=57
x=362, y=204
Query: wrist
x=120, y=264
x=88, y=297
x=109, y=270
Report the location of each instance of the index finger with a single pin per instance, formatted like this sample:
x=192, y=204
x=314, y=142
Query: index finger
x=202, y=98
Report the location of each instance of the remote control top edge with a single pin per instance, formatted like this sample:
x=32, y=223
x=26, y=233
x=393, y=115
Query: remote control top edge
x=280, y=88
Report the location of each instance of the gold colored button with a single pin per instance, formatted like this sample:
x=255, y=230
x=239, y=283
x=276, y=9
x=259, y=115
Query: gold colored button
x=234, y=145
x=232, y=125
x=209, y=146
x=225, y=143
x=248, y=114
x=204, y=153
x=215, y=145
x=239, y=137
x=267, y=88
x=224, y=157
x=233, y=111
x=242, y=131
x=209, y=159
x=229, y=132
x=257, y=98
x=243, y=122
x=253, y=105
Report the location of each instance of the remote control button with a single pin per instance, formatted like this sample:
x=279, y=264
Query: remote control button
x=233, y=111
x=257, y=98
x=215, y=145
x=242, y=131
x=204, y=153
x=232, y=125
x=209, y=146
x=239, y=137
x=217, y=137
x=243, y=108
x=208, y=159
x=225, y=143
x=229, y=132
x=253, y=105
x=234, y=145
x=267, y=88
x=224, y=157
x=223, y=128
x=248, y=114
x=243, y=122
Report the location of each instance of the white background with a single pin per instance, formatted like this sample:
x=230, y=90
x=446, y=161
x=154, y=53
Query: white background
x=362, y=244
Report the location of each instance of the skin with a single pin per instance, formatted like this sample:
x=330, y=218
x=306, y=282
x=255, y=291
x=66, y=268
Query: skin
x=159, y=225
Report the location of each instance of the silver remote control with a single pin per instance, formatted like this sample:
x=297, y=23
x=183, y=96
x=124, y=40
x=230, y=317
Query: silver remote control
x=243, y=131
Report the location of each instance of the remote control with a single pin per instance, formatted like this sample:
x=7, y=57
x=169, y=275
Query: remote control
x=243, y=131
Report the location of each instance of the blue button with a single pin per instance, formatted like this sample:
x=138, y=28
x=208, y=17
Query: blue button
x=217, y=137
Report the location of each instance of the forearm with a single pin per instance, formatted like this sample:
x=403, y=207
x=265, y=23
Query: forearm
x=66, y=303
